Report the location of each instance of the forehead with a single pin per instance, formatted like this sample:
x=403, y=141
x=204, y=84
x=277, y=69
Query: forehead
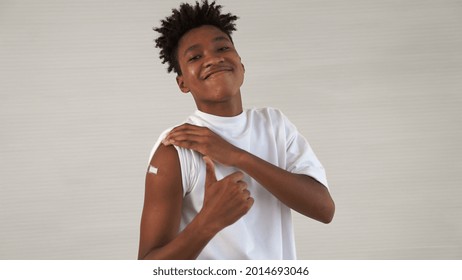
x=200, y=35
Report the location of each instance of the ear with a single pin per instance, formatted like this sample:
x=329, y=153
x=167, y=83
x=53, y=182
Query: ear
x=181, y=84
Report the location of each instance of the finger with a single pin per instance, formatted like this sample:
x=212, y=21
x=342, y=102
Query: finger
x=250, y=202
x=186, y=137
x=246, y=194
x=189, y=145
x=236, y=176
x=210, y=176
x=177, y=137
x=188, y=128
x=242, y=185
x=167, y=139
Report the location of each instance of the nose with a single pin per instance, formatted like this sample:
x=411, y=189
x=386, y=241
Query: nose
x=213, y=59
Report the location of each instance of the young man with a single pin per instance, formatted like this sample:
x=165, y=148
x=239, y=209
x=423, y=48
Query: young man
x=221, y=186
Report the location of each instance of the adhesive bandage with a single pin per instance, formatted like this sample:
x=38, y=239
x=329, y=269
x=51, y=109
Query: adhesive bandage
x=152, y=169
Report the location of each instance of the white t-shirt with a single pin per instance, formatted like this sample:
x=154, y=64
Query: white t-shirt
x=266, y=231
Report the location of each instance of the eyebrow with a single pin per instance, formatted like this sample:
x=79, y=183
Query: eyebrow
x=195, y=46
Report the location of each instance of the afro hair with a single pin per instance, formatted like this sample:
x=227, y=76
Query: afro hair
x=182, y=20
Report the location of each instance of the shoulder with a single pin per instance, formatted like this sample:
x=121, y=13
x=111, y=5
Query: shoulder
x=266, y=112
x=164, y=169
x=165, y=158
x=268, y=116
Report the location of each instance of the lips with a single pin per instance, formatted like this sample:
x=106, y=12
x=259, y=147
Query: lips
x=215, y=70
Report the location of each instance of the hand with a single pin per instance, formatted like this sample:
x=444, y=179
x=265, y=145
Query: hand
x=204, y=141
x=225, y=201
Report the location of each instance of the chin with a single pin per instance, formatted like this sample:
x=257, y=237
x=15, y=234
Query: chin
x=224, y=92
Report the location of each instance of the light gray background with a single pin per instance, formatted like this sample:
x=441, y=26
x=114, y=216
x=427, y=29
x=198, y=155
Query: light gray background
x=375, y=86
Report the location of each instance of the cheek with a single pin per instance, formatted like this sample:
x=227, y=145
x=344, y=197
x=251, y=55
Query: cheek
x=194, y=71
x=242, y=74
x=190, y=75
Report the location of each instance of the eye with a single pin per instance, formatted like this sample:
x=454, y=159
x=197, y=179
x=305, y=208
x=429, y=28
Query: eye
x=225, y=48
x=194, y=58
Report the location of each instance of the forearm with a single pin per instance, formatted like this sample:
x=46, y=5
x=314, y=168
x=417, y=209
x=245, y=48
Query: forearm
x=299, y=192
x=187, y=245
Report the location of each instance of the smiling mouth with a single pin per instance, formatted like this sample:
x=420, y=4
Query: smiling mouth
x=216, y=71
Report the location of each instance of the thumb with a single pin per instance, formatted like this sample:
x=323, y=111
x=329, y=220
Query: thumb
x=210, y=176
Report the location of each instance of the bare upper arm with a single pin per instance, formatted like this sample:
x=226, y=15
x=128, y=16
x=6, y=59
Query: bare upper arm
x=161, y=215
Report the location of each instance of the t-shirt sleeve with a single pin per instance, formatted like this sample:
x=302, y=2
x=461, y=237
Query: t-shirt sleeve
x=301, y=158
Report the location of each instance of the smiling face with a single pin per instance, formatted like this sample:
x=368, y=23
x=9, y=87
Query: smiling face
x=211, y=70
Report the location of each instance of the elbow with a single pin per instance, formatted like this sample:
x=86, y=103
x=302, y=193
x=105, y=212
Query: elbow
x=141, y=257
x=328, y=213
x=327, y=219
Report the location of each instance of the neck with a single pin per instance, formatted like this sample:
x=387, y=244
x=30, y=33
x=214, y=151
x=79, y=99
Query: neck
x=229, y=108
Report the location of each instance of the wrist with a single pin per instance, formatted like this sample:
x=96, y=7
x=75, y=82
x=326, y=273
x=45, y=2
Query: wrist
x=240, y=158
x=204, y=227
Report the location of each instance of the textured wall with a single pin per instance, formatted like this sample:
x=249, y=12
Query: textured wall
x=374, y=85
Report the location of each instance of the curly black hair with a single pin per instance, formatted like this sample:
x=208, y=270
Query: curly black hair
x=184, y=19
